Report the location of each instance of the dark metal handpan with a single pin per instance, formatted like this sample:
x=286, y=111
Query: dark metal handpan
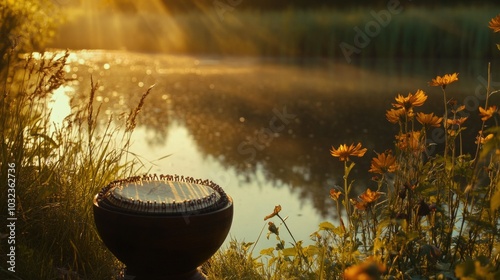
x=163, y=227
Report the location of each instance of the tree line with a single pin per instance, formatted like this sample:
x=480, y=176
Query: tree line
x=175, y=5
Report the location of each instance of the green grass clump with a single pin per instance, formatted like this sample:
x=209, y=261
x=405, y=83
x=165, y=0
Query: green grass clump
x=58, y=169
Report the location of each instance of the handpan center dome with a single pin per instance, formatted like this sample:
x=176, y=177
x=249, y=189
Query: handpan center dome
x=162, y=195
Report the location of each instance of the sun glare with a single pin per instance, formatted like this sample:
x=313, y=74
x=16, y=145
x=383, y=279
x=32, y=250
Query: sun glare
x=59, y=106
x=114, y=24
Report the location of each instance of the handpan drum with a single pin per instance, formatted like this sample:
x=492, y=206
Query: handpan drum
x=163, y=227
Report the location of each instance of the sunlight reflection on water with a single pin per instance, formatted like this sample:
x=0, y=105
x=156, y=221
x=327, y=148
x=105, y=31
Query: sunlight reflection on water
x=203, y=108
x=252, y=200
x=59, y=104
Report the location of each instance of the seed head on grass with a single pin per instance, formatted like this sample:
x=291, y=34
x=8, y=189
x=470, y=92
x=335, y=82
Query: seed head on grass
x=90, y=104
x=131, y=120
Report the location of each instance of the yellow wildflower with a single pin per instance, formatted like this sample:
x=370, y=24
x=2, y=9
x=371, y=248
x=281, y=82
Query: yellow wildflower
x=444, y=81
x=458, y=109
x=410, y=141
x=335, y=194
x=360, y=205
x=276, y=211
x=482, y=140
x=371, y=269
x=488, y=113
x=429, y=119
x=366, y=199
x=383, y=163
x=410, y=101
x=395, y=115
x=458, y=122
x=369, y=196
x=344, y=152
x=495, y=24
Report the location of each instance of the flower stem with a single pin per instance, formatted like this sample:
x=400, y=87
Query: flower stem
x=445, y=120
x=346, y=194
x=295, y=242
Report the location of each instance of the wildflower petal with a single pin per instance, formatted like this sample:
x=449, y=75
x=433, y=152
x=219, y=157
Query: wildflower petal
x=411, y=100
x=487, y=113
x=383, y=163
x=429, y=119
x=276, y=211
x=494, y=24
x=335, y=194
x=395, y=115
x=360, y=205
x=369, y=196
x=344, y=152
x=444, y=81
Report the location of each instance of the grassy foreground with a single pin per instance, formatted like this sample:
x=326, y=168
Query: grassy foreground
x=55, y=169
x=51, y=171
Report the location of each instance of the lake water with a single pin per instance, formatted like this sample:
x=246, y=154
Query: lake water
x=262, y=128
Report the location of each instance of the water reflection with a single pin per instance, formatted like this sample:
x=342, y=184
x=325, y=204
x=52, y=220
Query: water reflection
x=263, y=128
x=59, y=105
